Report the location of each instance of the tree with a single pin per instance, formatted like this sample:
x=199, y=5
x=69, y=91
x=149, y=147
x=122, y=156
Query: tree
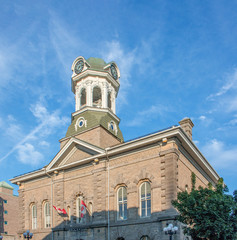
x=208, y=213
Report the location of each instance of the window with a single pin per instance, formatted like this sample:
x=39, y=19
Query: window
x=5, y=201
x=34, y=217
x=145, y=199
x=83, y=97
x=96, y=97
x=80, y=216
x=5, y=212
x=46, y=215
x=5, y=222
x=122, y=203
x=69, y=213
x=109, y=100
x=90, y=207
x=145, y=238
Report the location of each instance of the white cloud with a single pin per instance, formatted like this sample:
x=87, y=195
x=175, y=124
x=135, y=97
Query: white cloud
x=219, y=155
x=113, y=51
x=202, y=118
x=44, y=144
x=230, y=83
x=27, y=154
x=153, y=111
x=48, y=122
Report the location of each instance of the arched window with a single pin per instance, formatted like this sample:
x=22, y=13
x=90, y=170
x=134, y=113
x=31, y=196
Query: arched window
x=97, y=101
x=90, y=207
x=122, y=203
x=109, y=100
x=145, y=199
x=46, y=215
x=69, y=213
x=83, y=97
x=80, y=212
x=144, y=238
x=34, y=216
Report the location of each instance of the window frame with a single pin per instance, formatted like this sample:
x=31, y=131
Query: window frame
x=123, y=202
x=78, y=209
x=97, y=102
x=82, y=105
x=47, y=217
x=144, y=237
x=34, y=216
x=146, y=198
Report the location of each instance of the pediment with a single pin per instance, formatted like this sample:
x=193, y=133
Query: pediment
x=74, y=151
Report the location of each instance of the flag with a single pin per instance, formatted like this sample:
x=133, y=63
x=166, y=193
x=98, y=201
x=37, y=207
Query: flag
x=83, y=209
x=59, y=210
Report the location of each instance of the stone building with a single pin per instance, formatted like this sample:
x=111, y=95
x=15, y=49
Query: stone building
x=9, y=212
x=126, y=186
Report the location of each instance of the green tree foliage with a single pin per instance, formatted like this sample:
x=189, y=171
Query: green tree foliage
x=208, y=213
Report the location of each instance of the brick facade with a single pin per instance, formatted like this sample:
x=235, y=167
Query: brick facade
x=9, y=212
x=166, y=166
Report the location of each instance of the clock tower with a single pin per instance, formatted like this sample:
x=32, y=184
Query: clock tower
x=95, y=84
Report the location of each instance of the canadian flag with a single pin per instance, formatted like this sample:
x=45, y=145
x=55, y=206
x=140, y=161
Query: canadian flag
x=59, y=210
x=83, y=209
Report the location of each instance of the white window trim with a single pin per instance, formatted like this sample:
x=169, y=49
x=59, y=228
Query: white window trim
x=140, y=199
x=34, y=218
x=47, y=218
x=78, y=209
x=123, y=202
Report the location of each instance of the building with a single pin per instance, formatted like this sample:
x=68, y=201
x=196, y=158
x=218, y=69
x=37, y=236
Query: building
x=9, y=212
x=126, y=186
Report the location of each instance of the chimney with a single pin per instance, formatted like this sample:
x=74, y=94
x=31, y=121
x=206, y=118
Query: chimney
x=187, y=125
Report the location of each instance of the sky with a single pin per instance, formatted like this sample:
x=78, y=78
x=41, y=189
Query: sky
x=176, y=58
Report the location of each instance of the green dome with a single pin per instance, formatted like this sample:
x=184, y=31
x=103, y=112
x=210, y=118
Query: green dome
x=96, y=63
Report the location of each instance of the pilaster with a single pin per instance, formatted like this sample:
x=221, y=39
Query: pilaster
x=169, y=177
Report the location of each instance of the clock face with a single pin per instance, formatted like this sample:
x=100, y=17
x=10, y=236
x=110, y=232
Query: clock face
x=114, y=72
x=79, y=66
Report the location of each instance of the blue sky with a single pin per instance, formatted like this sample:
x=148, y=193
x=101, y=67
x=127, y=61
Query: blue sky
x=177, y=59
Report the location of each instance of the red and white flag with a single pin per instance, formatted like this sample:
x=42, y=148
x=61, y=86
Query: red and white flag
x=83, y=209
x=59, y=210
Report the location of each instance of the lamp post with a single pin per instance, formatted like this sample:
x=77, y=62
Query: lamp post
x=170, y=230
x=28, y=235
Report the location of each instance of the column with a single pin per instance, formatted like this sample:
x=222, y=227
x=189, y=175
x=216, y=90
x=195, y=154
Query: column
x=104, y=96
x=89, y=94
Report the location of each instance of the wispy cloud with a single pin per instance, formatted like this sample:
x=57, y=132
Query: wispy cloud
x=230, y=84
x=151, y=112
x=28, y=147
x=113, y=51
x=219, y=155
x=28, y=154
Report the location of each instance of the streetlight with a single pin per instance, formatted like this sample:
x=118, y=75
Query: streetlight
x=170, y=230
x=28, y=235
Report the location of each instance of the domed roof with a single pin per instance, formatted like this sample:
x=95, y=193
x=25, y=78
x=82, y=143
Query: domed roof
x=96, y=63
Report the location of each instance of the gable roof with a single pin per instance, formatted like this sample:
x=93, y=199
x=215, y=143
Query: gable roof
x=69, y=148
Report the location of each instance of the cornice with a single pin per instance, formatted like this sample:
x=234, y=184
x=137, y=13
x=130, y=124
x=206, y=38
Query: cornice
x=170, y=133
x=94, y=73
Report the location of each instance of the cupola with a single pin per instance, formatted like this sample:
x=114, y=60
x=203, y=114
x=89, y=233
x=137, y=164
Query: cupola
x=95, y=84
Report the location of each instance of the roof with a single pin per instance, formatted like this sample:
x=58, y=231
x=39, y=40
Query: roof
x=6, y=185
x=96, y=63
x=186, y=146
